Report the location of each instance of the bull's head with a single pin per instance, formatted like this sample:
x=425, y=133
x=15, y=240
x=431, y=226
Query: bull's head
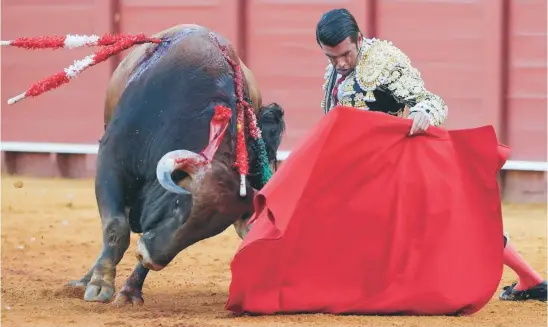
x=272, y=124
x=158, y=247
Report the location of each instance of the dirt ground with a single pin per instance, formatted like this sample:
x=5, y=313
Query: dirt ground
x=51, y=234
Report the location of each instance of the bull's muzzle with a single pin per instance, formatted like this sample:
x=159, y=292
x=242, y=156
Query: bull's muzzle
x=192, y=163
x=144, y=258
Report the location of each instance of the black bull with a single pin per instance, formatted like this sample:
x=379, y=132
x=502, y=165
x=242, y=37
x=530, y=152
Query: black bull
x=169, y=107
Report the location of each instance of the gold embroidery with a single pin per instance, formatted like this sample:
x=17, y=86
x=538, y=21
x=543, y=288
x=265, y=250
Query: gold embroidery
x=385, y=66
x=327, y=75
x=349, y=83
x=398, y=113
x=359, y=101
x=370, y=97
x=346, y=100
x=374, y=67
x=408, y=88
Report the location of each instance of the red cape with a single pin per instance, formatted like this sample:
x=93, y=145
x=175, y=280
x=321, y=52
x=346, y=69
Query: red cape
x=364, y=219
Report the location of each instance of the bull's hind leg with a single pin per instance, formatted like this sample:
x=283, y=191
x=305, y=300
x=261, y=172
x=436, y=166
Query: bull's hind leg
x=99, y=280
x=132, y=291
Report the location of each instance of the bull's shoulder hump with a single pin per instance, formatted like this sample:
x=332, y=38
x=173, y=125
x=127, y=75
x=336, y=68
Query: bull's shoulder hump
x=253, y=86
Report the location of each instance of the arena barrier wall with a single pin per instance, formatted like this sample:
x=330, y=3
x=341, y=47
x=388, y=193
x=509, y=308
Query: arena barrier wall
x=490, y=68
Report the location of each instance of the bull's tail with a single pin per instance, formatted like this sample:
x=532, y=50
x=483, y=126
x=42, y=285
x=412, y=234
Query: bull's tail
x=113, y=44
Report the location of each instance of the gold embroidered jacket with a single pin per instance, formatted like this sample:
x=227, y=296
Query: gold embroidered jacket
x=384, y=80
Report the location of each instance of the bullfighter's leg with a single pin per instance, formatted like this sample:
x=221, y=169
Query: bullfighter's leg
x=530, y=285
x=116, y=231
x=132, y=291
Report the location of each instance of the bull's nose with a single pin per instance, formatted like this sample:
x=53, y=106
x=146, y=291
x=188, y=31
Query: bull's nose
x=144, y=257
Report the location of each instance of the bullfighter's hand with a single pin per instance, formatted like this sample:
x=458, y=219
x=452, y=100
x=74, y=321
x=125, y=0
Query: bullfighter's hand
x=421, y=122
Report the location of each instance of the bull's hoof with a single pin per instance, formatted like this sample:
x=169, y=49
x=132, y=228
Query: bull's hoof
x=99, y=292
x=75, y=288
x=77, y=284
x=128, y=296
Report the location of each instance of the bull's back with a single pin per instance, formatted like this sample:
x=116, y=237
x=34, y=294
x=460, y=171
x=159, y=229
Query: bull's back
x=121, y=75
x=169, y=106
x=127, y=67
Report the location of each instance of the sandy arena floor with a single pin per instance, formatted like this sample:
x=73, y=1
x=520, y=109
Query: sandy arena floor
x=51, y=234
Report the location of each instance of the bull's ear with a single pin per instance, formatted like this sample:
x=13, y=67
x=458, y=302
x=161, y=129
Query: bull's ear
x=273, y=115
x=272, y=124
x=275, y=110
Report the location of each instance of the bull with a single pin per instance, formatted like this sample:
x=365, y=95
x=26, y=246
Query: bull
x=159, y=106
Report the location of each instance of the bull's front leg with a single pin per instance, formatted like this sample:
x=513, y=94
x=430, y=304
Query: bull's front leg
x=132, y=291
x=99, y=281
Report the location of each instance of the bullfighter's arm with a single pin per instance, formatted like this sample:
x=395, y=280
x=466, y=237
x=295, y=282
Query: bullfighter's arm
x=327, y=75
x=398, y=77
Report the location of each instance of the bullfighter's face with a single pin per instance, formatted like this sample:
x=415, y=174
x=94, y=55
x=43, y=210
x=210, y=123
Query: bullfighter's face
x=343, y=56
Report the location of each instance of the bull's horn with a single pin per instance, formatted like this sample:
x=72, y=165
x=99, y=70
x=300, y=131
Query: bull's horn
x=241, y=227
x=190, y=162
